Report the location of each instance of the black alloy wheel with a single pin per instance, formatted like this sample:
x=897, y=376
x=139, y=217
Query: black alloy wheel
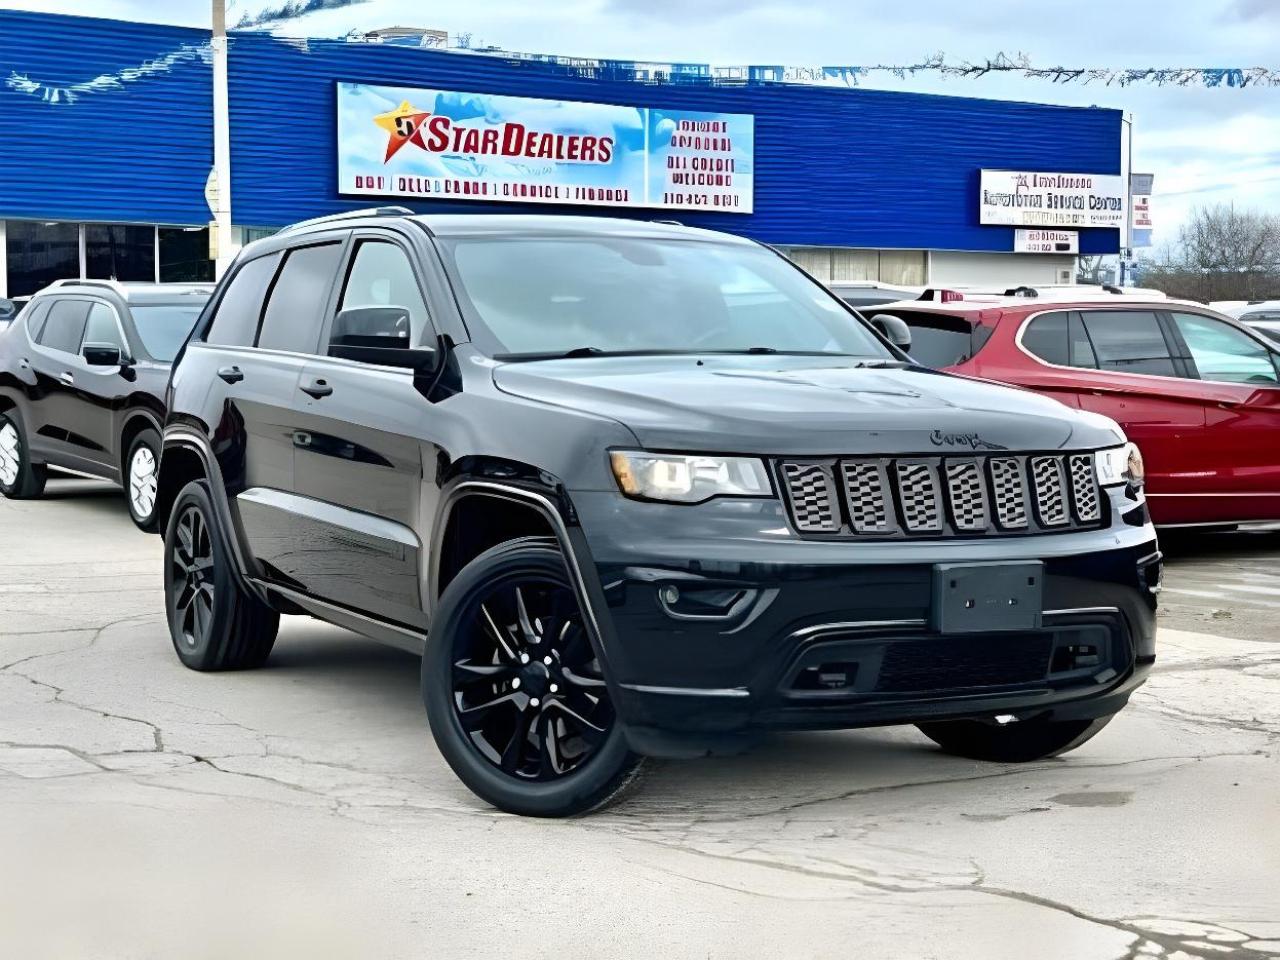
x=214, y=621
x=515, y=693
x=527, y=687
x=191, y=570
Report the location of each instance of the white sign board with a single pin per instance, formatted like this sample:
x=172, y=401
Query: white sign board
x=1020, y=198
x=1141, y=213
x=1046, y=241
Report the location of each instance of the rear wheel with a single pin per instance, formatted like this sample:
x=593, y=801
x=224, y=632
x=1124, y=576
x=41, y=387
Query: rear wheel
x=20, y=479
x=515, y=695
x=215, y=624
x=1015, y=742
x=142, y=469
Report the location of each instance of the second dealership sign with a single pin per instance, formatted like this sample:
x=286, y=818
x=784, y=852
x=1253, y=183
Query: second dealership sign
x=447, y=144
x=1030, y=199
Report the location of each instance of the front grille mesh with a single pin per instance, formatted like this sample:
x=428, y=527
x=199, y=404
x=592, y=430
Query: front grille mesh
x=942, y=496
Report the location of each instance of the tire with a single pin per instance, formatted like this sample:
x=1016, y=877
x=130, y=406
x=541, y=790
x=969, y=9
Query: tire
x=214, y=622
x=1017, y=742
x=20, y=479
x=141, y=470
x=515, y=696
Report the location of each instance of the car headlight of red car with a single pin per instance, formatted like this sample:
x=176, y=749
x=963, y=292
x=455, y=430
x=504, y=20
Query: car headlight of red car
x=1122, y=464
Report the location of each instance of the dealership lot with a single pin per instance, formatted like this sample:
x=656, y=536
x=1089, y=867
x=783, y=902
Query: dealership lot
x=152, y=810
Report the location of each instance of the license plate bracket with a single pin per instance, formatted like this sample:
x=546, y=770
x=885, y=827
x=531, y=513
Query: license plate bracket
x=987, y=597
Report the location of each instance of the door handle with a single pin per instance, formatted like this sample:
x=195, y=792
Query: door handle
x=68, y=378
x=317, y=387
x=231, y=374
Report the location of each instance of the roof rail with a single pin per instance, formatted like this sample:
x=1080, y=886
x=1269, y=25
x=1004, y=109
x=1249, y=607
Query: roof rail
x=393, y=211
x=72, y=282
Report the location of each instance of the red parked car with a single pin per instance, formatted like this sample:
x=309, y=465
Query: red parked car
x=1198, y=392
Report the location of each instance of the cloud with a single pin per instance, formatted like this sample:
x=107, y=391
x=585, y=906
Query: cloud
x=1254, y=10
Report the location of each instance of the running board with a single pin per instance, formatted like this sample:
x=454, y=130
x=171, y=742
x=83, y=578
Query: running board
x=401, y=638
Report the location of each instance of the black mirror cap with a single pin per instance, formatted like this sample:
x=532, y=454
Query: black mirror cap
x=894, y=329
x=418, y=359
x=368, y=324
x=101, y=354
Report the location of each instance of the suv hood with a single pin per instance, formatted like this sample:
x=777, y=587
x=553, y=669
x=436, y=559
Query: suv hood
x=802, y=405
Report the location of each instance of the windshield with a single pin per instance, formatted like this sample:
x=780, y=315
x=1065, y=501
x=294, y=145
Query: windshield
x=163, y=327
x=552, y=295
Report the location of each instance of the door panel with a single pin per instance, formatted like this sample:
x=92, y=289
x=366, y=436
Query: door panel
x=354, y=449
x=55, y=428
x=100, y=390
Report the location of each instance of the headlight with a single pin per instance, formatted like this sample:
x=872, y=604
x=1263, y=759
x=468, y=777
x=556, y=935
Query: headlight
x=1123, y=464
x=688, y=479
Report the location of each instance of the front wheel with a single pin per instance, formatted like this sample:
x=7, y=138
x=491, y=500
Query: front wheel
x=20, y=479
x=515, y=694
x=1016, y=742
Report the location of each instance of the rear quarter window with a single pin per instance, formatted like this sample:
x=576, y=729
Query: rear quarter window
x=940, y=340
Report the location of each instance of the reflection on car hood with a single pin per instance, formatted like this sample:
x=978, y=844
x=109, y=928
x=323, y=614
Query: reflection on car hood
x=802, y=405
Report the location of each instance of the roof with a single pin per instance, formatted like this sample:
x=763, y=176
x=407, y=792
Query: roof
x=977, y=303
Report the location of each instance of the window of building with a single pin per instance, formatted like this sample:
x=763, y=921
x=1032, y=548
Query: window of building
x=236, y=321
x=39, y=253
x=64, y=328
x=102, y=327
x=1223, y=353
x=295, y=311
x=1129, y=341
x=382, y=276
x=839, y=265
x=184, y=255
x=117, y=251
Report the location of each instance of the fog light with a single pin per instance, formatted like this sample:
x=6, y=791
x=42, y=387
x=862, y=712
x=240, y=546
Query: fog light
x=670, y=595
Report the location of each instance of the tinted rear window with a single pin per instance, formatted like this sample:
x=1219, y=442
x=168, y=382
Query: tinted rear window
x=236, y=322
x=163, y=327
x=938, y=340
x=295, y=312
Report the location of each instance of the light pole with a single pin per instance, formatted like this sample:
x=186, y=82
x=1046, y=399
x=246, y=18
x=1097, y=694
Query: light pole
x=1126, y=249
x=221, y=177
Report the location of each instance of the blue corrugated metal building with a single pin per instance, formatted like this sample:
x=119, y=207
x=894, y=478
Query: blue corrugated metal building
x=106, y=142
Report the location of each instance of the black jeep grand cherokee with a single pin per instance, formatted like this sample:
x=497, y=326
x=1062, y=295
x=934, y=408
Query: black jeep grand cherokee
x=638, y=490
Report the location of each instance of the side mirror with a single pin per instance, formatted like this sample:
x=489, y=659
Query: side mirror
x=378, y=335
x=101, y=354
x=8, y=309
x=894, y=329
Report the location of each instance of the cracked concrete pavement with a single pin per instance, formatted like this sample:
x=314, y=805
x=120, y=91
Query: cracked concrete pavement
x=302, y=810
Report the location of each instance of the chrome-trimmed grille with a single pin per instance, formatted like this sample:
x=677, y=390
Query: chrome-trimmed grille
x=1084, y=487
x=1051, y=500
x=866, y=492
x=1009, y=490
x=810, y=490
x=918, y=492
x=967, y=494
x=961, y=496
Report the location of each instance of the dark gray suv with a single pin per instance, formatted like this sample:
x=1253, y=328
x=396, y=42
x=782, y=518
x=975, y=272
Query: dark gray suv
x=638, y=490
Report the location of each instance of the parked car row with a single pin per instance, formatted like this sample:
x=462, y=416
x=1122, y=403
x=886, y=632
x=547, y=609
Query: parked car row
x=631, y=489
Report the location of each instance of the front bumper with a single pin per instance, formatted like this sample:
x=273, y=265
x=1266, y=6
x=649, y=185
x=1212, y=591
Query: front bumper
x=768, y=631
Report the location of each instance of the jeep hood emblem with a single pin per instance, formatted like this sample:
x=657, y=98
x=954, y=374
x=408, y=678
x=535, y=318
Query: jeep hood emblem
x=970, y=440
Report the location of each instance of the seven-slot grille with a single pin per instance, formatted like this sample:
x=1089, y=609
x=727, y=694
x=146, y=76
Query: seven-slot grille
x=942, y=496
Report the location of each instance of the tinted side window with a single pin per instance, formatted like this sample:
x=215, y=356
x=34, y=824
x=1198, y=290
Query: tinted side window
x=1223, y=353
x=236, y=322
x=35, y=315
x=382, y=276
x=65, y=326
x=1046, y=337
x=295, y=311
x=102, y=327
x=1081, y=347
x=1129, y=341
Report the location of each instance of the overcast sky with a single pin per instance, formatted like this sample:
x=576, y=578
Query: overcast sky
x=1205, y=146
